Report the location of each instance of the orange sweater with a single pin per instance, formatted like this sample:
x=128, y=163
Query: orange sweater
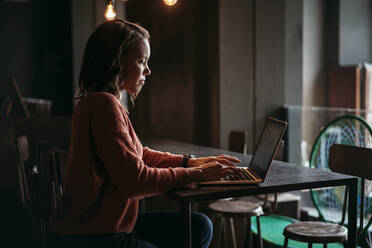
x=108, y=170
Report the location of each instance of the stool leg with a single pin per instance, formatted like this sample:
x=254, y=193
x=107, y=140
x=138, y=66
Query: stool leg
x=259, y=232
x=310, y=245
x=249, y=238
x=325, y=245
x=232, y=228
x=285, y=242
x=220, y=232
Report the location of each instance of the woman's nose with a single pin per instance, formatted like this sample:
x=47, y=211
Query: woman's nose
x=147, y=71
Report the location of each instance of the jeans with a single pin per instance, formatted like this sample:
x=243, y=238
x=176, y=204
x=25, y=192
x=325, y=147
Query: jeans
x=152, y=230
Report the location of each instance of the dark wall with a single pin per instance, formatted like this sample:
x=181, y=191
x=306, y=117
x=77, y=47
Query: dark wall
x=176, y=101
x=35, y=48
x=16, y=45
x=52, y=35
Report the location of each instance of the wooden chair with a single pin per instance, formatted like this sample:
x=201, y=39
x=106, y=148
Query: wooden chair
x=40, y=185
x=238, y=141
x=351, y=160
x=28, y=186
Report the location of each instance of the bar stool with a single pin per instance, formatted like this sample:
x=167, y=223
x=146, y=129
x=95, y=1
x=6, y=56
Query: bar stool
x=350, y=160
x=315, y=232
x=231, y=208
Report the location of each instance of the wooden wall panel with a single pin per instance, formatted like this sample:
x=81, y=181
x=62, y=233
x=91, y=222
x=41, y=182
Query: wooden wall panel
x=344, y=87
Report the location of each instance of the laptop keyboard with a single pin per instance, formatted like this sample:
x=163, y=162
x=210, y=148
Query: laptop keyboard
x=242, y=176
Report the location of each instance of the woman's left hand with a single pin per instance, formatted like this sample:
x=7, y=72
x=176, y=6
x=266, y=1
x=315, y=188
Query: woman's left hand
x=222, y=159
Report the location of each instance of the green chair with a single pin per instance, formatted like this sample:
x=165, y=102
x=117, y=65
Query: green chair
x=346, y=130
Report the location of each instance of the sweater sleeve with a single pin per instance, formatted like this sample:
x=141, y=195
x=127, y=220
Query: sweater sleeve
x=161, y=159
x=121, y=157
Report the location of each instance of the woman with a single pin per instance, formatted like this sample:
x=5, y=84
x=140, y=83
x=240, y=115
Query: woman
x=108, y=170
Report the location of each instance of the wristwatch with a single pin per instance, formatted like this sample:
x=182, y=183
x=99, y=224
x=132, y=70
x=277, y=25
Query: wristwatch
x=185, y=159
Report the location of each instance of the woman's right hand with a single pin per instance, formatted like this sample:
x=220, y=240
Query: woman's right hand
x=214, y=171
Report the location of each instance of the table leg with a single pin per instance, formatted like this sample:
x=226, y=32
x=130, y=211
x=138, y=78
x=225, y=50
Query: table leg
x=186, y=210
x=352, y=214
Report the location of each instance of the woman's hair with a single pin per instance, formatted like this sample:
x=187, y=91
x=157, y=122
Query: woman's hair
x=102, y=66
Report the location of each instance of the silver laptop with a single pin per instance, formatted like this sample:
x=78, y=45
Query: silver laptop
x=256, y=172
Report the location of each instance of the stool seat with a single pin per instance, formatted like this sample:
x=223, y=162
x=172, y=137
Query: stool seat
x=228, y=209
x=316, y=232
x=234, y=208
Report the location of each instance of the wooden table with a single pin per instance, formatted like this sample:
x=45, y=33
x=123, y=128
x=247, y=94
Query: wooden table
x=282, y=177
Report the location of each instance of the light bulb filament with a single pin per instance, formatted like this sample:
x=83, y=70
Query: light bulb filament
x=110, y=12
x=170, y=2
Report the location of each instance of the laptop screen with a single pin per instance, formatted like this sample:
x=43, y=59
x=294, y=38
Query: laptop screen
x=266, y=147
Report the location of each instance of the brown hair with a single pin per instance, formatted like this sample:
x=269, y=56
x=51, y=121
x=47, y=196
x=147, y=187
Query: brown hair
x=102, y=64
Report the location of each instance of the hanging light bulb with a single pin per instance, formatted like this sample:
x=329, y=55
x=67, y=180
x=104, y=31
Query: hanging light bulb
x=170, y=2
x=110, y=12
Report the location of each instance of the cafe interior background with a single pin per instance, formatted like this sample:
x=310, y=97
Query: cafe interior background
x=217, y=66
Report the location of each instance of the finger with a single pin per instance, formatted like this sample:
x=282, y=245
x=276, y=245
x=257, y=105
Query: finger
x=226, y=162
x=230, y=158
x=212, y=164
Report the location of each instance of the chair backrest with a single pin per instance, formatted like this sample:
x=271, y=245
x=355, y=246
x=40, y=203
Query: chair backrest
x=355, y=161
x=351, y=160
x=348, y=130
x=22, y=155
x=238, y=141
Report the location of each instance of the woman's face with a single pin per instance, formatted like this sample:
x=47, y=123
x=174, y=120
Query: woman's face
x=135, y=66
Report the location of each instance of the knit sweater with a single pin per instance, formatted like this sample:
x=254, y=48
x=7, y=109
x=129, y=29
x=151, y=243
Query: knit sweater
x=108, y=170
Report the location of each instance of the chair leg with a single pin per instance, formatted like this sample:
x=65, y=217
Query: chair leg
x=43, y=233
x=232, y=228
x=310, y=245
x=259, y=238
x=285, y=242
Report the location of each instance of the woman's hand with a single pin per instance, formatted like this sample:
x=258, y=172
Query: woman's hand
x=222, y=159
x=214, y=171
x=214, y=167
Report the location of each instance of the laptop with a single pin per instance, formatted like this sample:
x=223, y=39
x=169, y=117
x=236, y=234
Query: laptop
x=256, y=172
